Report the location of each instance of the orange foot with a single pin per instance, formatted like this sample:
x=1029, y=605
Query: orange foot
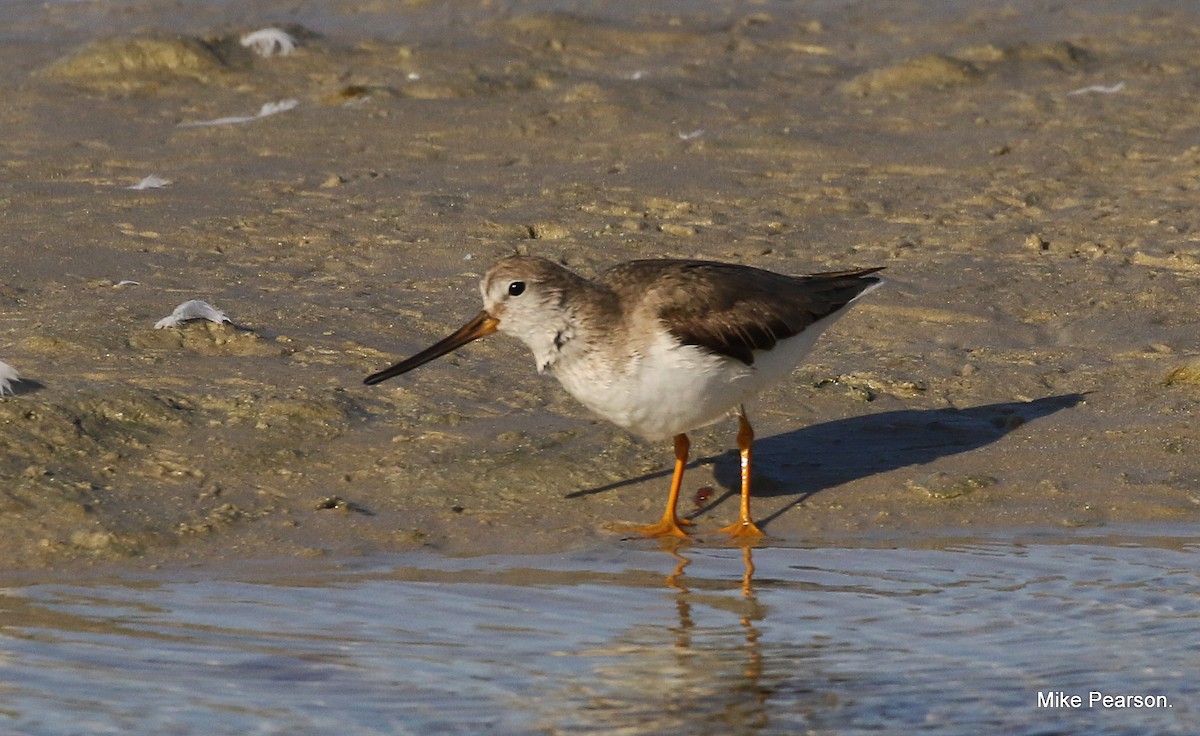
x=665, y=527
x=742, y=531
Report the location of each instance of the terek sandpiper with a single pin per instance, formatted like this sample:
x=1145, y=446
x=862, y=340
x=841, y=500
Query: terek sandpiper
x=660, y=347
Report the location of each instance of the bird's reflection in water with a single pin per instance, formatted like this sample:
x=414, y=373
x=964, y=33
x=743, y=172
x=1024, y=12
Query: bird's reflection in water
x=706, y=665
x=716, y=670
x=676, y=548
x=751, y=610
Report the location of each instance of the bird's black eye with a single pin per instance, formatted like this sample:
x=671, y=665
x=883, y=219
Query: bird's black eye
x=516, y=288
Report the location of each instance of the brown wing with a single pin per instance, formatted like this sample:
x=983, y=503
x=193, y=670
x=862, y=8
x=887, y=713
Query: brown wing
x=734, y=310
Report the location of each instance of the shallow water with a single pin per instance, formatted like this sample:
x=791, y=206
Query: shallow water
x=953, y=639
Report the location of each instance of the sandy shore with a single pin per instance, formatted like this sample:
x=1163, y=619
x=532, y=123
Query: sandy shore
x=1028, y=178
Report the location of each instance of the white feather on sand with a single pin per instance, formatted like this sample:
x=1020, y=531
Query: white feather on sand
x=154, y=181
x=268, y=41
x=270, y=108
x=189, y=310
x=1102, y=89
x=8, y=374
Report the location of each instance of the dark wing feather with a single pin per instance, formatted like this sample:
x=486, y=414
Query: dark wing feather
x=734, y=310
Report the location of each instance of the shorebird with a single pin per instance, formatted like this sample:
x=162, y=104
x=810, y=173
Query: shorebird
x=660, y=347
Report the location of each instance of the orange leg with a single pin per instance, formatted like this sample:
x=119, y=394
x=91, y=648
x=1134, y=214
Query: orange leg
x=670, y=524
x=744, y=528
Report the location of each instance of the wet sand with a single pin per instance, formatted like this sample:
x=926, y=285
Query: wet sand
x=1028, y=178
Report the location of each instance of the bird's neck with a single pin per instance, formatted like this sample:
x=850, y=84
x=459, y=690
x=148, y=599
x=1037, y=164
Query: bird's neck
x=578, y=328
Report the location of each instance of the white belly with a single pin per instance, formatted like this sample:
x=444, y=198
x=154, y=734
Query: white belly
x=672, y=388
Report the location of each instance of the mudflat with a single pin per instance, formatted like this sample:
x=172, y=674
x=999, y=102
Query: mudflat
x=1028, y=176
